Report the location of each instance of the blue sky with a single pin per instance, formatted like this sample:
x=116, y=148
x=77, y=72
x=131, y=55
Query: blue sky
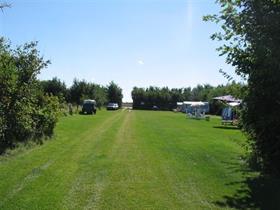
x=132, y=42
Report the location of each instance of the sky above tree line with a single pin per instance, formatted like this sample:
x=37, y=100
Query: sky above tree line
x=132, y=42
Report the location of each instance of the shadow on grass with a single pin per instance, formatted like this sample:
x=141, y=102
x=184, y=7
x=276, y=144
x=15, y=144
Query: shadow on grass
x=255, y=192
x=227, y=127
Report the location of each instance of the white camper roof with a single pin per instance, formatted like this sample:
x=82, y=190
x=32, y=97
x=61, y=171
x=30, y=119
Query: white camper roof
x=194, y=103
x=89, y=101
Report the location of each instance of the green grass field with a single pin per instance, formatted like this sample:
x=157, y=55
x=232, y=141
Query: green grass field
x=135, y=160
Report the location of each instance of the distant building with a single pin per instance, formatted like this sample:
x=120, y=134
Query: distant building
x=127, y=105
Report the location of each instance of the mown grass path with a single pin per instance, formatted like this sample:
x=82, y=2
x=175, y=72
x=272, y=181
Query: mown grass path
x=127, y=160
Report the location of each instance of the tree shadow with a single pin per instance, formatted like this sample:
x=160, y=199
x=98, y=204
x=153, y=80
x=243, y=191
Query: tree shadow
x=227, y=127
x=255, y=192
x=4, y=147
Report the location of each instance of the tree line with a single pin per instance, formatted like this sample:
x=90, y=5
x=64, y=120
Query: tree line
x=81, y=90
x=166, y=98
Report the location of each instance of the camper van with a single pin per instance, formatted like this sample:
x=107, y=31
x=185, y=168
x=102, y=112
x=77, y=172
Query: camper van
x=191, y=106
x=89, y=107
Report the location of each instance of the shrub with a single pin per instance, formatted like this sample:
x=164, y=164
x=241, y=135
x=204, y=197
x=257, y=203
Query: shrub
x=25, y=113
x=46, y=115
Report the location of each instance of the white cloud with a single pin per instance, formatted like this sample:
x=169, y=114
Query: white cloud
x=141, y=62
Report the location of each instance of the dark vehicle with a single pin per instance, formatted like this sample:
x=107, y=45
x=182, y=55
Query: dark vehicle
x=89, y=107
x=112, y=106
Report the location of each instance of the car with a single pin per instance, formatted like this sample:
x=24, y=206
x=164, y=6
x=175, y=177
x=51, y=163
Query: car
x=155, y=108
x=112, y=106
x=89, y=106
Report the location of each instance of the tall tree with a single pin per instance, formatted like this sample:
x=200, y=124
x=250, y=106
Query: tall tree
x=251, y=39
x=78, y=92
x=114, y=93
x=55, y=87
x=24, y=112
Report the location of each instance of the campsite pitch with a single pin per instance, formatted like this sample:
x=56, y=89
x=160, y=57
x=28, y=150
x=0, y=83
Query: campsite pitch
x=133, y=160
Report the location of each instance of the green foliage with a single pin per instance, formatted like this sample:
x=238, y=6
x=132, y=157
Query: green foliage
x=166, y=99
x=114, y=93
x=81, y=90
x=251, y=40
x=46, y=115
x=77, y=91
x=20, y=103
x=55, y=87
x=163, y=98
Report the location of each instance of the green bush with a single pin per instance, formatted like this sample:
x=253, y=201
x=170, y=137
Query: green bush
x=46, y=115
x=25, y=113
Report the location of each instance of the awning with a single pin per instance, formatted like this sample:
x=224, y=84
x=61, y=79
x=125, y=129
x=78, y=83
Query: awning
x=227, y=98
x=198, y=103
x=234, y=104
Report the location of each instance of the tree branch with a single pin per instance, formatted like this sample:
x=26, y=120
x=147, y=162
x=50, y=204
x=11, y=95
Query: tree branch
x=5, y=5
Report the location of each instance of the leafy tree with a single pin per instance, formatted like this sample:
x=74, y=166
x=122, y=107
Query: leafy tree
x=23, y=108
x=81, y=90
x=46, y=115
x=201, y=92
x=251, y=39
x=77, y=92
x=176, y=96
x=139, y=97
x=187, y=92
x=100, y=95
x=55, y=87
x=114, y=93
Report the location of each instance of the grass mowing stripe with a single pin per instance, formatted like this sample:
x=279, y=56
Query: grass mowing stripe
x=93, y=168
x=119, y=192
x=62, y=151
x=116, y=142
x=135, y=179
